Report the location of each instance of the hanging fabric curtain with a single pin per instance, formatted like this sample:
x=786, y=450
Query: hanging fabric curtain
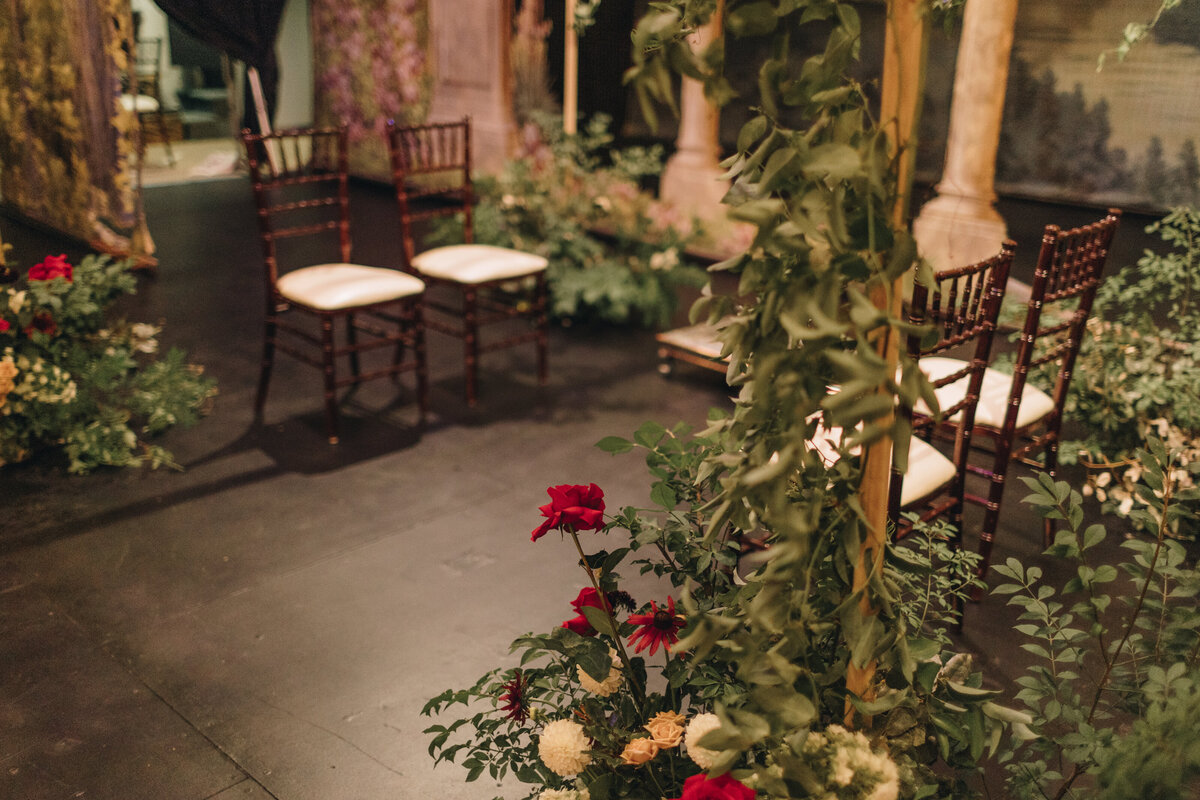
x=66, y=152
x=245, y=30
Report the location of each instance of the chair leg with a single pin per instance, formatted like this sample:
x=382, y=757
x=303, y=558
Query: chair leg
x=162, y=132
x=991, y=517
x=327, y=360
x=1051, y=468
x=543, y=331
x=471, y=344
x=418, y=336
x=264, y=372
x=352, y=341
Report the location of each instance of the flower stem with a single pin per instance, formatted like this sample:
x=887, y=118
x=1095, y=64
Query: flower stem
x=639, y=695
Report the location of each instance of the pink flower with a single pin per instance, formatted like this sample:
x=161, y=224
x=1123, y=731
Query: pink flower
x=575, y=508
x=4, y=325
x=723, y=787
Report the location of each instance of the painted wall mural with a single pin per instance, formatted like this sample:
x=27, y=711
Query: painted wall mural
x=1125, y=135
x=370, y=64
x=66, y=146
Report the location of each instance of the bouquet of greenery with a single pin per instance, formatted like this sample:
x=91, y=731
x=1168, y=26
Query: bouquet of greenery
x=666, y=697
x=72, y=379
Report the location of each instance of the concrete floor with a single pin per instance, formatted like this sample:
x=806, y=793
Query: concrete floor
x=268, y=622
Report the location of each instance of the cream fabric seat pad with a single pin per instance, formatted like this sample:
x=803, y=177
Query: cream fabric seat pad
x=141, y=103
x=330, y=287
x=477, y=263
x=993, y=397
x=928, y=470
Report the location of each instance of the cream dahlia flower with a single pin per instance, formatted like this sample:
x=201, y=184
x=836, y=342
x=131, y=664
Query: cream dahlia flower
x=605, y=687
x=564, y=748
x=700, y=725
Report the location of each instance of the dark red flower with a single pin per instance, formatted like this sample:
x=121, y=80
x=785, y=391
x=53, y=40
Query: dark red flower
x=42, y=323
x=580, y=624
x=658, y=626
x=722, y=787
x=50, y=268
x=513, y=702
x=4, y=325
x=576, y=508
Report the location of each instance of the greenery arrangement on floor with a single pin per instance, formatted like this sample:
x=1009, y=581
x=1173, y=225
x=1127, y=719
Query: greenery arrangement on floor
x=76, y=381
x=1138, y=375
x=616, y=253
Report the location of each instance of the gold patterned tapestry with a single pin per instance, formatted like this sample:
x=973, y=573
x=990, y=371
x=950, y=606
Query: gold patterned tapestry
x=370, y=64
x=66, y=151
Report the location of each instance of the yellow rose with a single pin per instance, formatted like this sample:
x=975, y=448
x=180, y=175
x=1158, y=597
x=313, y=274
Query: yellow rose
x=666, y=728
x=639, y=751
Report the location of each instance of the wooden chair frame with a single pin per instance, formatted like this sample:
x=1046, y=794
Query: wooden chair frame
x=431, y=170
x=145, y=78
x=279, y=166
x=1070, y=266
x=963, y=307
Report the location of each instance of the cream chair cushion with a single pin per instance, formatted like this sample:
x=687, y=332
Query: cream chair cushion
x=993, y=397
x=139, y=103
x=477, y=263
x=330, y=287
x=928, y=470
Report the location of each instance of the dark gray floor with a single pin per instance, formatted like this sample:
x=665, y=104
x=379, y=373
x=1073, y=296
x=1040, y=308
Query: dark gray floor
x=268, y=622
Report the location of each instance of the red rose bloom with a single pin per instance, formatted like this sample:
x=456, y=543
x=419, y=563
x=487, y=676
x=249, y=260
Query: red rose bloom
x=576, y=508
x=51, y=267
x=723, y=787
x=42, y=323
x=4, y=325
x=658, y=626
x=580, y=624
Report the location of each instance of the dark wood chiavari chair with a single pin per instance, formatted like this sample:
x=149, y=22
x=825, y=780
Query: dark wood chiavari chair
x=1020, y=421
x=431, y=166
x=299, y=178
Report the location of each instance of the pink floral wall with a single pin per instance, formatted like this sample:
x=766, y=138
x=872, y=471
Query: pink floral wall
x=370, y=64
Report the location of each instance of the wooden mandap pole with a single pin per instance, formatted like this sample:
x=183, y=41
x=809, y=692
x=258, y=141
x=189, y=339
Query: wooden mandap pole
x=570, y=71
x=905, y=48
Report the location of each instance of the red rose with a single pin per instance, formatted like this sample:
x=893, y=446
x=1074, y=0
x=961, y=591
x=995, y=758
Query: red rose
x=42, y=323
x=4, y=326
x=577, y=508
x=51, y=267
x=724, y=787
x=580, y=624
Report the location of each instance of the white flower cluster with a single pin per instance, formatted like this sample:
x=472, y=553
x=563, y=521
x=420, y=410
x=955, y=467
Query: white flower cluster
x=700, y=725
x=33, y=381
x=564, y=748
x=852, y=765
x=607, y=686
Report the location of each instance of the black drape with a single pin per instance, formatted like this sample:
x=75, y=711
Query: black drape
x=246, y=30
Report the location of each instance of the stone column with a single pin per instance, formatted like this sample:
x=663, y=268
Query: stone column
x=961, y=225
x=472, y=75
x=692, y=178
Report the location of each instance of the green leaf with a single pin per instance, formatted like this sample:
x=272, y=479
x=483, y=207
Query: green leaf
x=615, y=444
x=661, y=494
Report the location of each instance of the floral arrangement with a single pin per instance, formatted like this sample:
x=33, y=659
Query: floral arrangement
x=616, y=253
x=75, y=381
x=652, y=697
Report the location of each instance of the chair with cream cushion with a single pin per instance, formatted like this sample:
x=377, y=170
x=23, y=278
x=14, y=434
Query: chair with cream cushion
x=1020, y=420
x=431, y=169
x=300, y=186
x=959, y=312
x=142, y=91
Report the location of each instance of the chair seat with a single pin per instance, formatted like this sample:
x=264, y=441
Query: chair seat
x=330, y=287
x=928, y=470
x=993, y=397
x=477, y=263
x=139, y=103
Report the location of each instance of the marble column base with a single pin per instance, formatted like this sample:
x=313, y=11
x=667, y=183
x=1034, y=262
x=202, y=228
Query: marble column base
x=956, y=231
x=694, y=184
